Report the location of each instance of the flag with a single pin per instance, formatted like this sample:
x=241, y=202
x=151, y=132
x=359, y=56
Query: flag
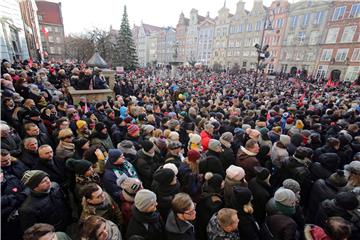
x=30, y=62
x=45, y=32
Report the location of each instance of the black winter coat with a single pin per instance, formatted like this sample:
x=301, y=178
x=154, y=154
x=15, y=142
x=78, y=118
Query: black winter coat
x=30, y=159
x=211, y=163
x=146, y=166
x=56, y=174
x=325, y=166
x=227, y=157
x=248, y=227
x=178, y=230
x=261, y=192
x=282, y=227
x=43, y=207
x=12, y=144
x=148, y=225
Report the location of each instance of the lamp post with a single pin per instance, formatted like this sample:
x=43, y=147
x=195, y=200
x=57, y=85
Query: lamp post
x=262, y=50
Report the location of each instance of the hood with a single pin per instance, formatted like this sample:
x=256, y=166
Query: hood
x=329, y=161
x=174, y=225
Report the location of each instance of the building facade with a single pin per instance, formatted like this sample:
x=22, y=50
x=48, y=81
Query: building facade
x=277, y=15
x=147, y=44
x=340, y=51
x=303, y=34
x=31, y=28
x=181, y=30
x=52, y=30
x=13, y=45
x=205, y=40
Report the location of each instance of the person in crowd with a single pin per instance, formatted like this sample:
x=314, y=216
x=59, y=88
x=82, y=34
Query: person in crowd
x=212, y=162
x=82, y=129
x=66, y=148
x=336, y=228
x=178, y=224
x=130, y=186
x=10, y=140
x=30, y=156
x=41, y=231
x=352, y=172
x=174, y=153
x=206, y=135
x=129, y=151
x=98, y=228
x=235, y=176
x=246, y=158
x=45, y=204
x=81, y=146
x=97, y=202
x=100, y=136
x=279, y=150
x=146, y=221
x=227, y=156
x=223, y=225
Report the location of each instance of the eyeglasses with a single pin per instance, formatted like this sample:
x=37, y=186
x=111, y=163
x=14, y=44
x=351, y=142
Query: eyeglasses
x=190, y=212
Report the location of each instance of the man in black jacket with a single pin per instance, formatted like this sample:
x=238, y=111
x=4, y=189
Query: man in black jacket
x=46, y=203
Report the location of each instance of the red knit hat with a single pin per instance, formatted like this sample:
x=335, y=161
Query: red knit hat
x=193, y=155
x=132, y=129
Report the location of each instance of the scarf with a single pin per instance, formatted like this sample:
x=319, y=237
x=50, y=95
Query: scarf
x=68, y=146
x=247, y=152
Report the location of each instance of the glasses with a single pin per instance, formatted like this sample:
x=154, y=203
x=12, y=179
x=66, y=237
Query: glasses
x=190, y=212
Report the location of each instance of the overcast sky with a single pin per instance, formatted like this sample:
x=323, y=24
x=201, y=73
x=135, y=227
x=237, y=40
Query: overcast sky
x=82, y=15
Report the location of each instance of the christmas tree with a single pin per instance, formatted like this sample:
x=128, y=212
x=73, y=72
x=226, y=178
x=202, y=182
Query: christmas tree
x=125, y=52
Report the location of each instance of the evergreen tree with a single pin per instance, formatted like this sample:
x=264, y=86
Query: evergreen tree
x=125, y=52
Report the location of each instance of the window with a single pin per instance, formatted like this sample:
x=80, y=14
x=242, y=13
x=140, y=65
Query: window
x=309, y=56
x=258, y=26
x=279, y=23
x=313, y=38
x=301, y=37
x=40, y=17
x=332, y=35
x=52, y=50
x=348, y=34
x=355, y=11
x=318, y=18
x=306, y=18
x=293, y=21
x=246, y=53
x=356, y=55
x=58, y=39
x=352, y=73
x=241, y=28
x=290, y=39
x=270, y=68
x=244, y=64
x=341, y=54
x=249, y=27
x=338, y=13
x=51, y=39
x=326, y=55
x=321, y=72
x=59, y=50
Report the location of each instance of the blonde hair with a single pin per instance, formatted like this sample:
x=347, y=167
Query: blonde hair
x=225, y=215
x=248, y=208
x=181, y=203
x=167, y=133
x=353, y=180
x=157, y=133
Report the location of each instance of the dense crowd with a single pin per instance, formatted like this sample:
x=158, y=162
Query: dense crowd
x=196, y=156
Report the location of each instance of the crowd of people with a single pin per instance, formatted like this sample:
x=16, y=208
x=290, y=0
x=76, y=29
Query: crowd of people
x=197, y=156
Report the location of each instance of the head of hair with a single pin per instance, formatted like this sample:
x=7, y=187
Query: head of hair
x=90, y=226
x=28, y=139
x=225, y=216
x=181, y=203
x=60, y=121
x=29, y=125
x=89, y=189
x=37, y=231
x=250, y=143
x=332, y=142
x=338, y=228
x=4, y=152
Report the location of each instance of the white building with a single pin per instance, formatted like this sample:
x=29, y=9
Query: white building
x=205, y=40
x=12, y=35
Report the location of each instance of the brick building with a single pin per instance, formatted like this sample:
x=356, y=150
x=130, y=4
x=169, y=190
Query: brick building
x=340, y=50
x=52, y=30
x=181, y=30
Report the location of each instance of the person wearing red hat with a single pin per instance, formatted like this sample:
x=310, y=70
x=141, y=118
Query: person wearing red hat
x=133, y=135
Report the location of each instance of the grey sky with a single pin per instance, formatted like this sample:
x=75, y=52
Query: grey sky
x=82, y=15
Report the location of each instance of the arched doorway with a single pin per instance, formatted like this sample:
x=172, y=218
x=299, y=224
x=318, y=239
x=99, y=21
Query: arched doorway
x=293, y=71
x=335, y=75
x=303, y=74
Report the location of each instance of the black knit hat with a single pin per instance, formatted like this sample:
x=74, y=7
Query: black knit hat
x=100, y=126
x=164, y=176
x=213, y=182
x=337, y=179
x=262, y=173
x=242, y=195
x=79, y=166
x=347, y=200
x=32, y=178
x=79, y=142
x=147, y=145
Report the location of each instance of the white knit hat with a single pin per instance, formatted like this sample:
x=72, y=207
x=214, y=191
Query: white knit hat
x=235, y=173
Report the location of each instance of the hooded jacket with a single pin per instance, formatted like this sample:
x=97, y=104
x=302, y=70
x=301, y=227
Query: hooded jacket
x=248, y=161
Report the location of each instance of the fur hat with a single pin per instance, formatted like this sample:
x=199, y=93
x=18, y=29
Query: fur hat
x=347, y=200
x=174, y=136
x=242, y=195
x=147, y=128
x=353, y=167
x=164, y=176
x=235, y=173
x=227, y=136
x=337, y=179
x=262, y=173
x=99, y=126
x=174, y=145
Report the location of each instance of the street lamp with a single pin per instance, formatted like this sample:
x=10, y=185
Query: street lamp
x=262, y=51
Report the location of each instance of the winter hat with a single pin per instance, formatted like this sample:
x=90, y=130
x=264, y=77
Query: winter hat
x=173, y=123
x=299, y=124
x=174, y=136
x=65, y=133
x=164, y=176
x=144, y=199
x=253, y=134
x=172, y=167
x=80, y=124
x=213, y=182
x=245, y=126
x=353, y=167
x=227, y=136
x=32, y=178
x=214, y=144
x=292, y=185
x=99, y=126
x=264, y=131
x=148, y=128
x=347, y=200
x=174, y=145
x=79, y=142
x=285, y=197
x=142, y=117
x=301, y=153
x=130, y=187
x=79, y=166
x=289, y=120
x=285, y=139
x=193, y=155
x=260, y=124
x=34, y=113
x=133, y=129
x=242, y=195
x=261, y=173
x=195, y=138
x=114, y=155
x=338, y=179
x=235, y=173
x=161, y=143
x=276, y=129
x=125, y=144
x=147, y=145
x=128, y=119
x=238, y=130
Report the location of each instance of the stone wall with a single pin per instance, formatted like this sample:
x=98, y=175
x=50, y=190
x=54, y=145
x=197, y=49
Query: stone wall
x=91, y=95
